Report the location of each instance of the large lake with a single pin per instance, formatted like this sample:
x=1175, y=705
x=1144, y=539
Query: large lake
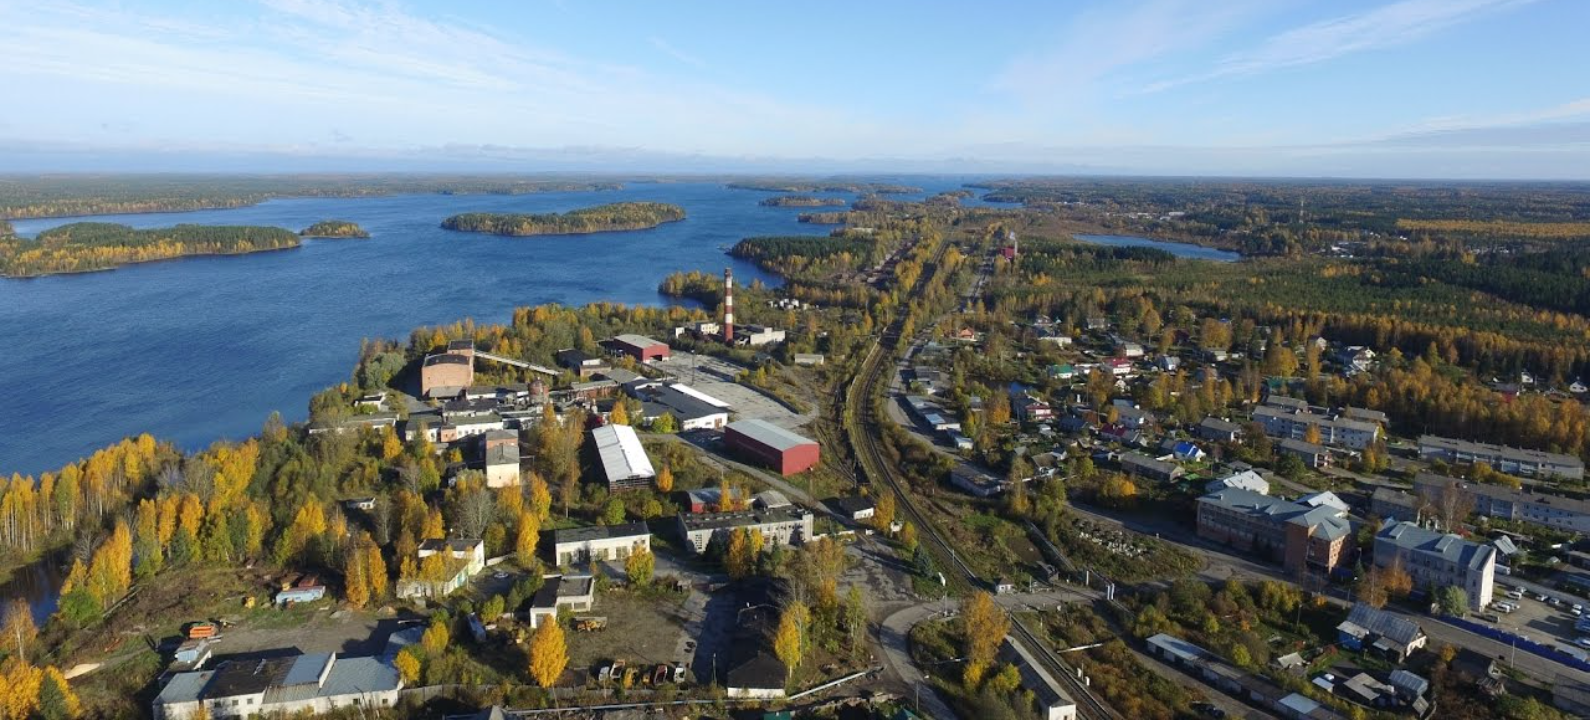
x=196, y=349
x=1179, y=249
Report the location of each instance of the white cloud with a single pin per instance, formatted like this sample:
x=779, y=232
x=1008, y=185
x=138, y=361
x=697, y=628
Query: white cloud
x=1104, y=42
x=1397, y=23
x=667, y=48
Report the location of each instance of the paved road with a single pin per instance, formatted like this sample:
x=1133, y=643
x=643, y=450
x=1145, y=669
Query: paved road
x=1221, y=565
x=895, y=631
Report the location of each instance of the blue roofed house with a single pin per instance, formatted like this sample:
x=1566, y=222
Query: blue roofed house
x=1367, y=627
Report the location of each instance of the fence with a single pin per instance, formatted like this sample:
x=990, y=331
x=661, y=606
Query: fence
x=1507, y=638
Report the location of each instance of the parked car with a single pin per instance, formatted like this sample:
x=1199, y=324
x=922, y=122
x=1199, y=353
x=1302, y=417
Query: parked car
x=1516, y=594
x=1490, y=617
x=1583, y=642
x=1577, y=610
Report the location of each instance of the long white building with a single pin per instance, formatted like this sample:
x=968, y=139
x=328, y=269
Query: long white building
x=315, y=683
x=1435, y=560
x=624, y=460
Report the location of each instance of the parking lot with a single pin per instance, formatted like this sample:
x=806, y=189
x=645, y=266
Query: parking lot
x=1534, y=619
x=716, y=378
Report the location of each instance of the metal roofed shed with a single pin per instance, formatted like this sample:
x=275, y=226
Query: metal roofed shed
x=624, y=461
x=772, y=445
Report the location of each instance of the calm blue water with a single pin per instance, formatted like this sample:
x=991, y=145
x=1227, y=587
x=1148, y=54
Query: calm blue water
x=1181, y=250
x=197, y=349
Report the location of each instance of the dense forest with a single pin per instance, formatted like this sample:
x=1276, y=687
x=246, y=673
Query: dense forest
x=1280, y=217
x=334, y=229
x=802, y=201
x=69, y=195
x=601, y=218
x=89, y=246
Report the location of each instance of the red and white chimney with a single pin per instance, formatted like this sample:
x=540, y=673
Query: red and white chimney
x=728, y=306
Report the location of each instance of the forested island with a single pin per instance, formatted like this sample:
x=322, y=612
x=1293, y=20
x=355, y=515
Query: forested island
x=71, y=195
x=334, y=229
x=802, y=201
x=600, y=218
x=779, y=186
x=90, y=246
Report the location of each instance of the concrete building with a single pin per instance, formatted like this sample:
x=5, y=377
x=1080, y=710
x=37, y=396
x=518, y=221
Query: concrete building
x=501, y=448
x=1513, y=461
x=580, y=362
x=315, y=683
x=575, y=592
x=577, y=546
x=782, y=526
x=1293, y=424
x=624, y=462
x=1499, y=501
x=1303, y=538
x=757, y=335
x=641, y=348
x=1053, y=701
x=770, y=445
x=1436, y=560
x=1392, y=504
x=856, y=507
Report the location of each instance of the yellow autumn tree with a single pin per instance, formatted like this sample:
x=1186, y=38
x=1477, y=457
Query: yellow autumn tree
x=408, y=667
x=620, y=415
x=56, y=699
x=983, y=626
x=737, y=558
x=787, y=641
x=883, y=514
x=528, y=537
x=19, y=687
x=435, y=529
x=540, y=496
x=665, y=480
x=375, y=571
x=355, y=578
x=549, y=655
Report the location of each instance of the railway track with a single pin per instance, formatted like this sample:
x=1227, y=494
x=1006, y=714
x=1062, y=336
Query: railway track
x=864, y=427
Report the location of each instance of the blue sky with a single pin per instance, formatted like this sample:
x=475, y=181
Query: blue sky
x=1385, y=88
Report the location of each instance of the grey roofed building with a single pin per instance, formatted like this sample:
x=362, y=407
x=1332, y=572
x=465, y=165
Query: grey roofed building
x=317, y=682
x=1391, y=503
x=1408, y=683
x=599, y=532
x=1500, y=501
x=1365, y=415
x=1290, y=403
x=1245, y=480
x=768, y=434
x=1433, y=558
x=1312, y=455
x=1510, y=460
x=1217, y=430
x=664, y=399
x=1367, y=619
x=1139, y=464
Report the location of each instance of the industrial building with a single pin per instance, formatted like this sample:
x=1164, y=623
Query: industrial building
x=757, y=335
x=573, y=546
x=575, y=592
x=771, y=445
x=1053, y=702
x=446, y=374
x=314, y=684
x=692, y=409
x=641, y=348
x=624, y=462
x=780, y=526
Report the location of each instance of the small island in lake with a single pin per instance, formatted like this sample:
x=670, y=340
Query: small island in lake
x=600, y=218
x=802, y=201
x=334, y=229
x=90, y=246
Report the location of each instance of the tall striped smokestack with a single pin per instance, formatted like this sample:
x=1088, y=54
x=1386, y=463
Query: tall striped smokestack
x=728, y=306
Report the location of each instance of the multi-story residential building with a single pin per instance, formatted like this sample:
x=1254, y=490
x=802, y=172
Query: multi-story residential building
x=1295, y=424
x=1513, y=461
x=1498, y=501
x=1314, y=456
x=1436, y=560
x=779, y=526
x=1303, y=538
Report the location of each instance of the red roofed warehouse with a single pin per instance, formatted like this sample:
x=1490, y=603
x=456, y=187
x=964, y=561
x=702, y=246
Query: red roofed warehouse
x=771, y=445
x=640, y=347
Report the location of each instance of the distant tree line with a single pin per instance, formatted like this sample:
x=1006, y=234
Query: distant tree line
x=88, y=246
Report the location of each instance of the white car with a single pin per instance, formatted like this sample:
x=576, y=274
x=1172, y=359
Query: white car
x=1577, y=610
x=1583, y=642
